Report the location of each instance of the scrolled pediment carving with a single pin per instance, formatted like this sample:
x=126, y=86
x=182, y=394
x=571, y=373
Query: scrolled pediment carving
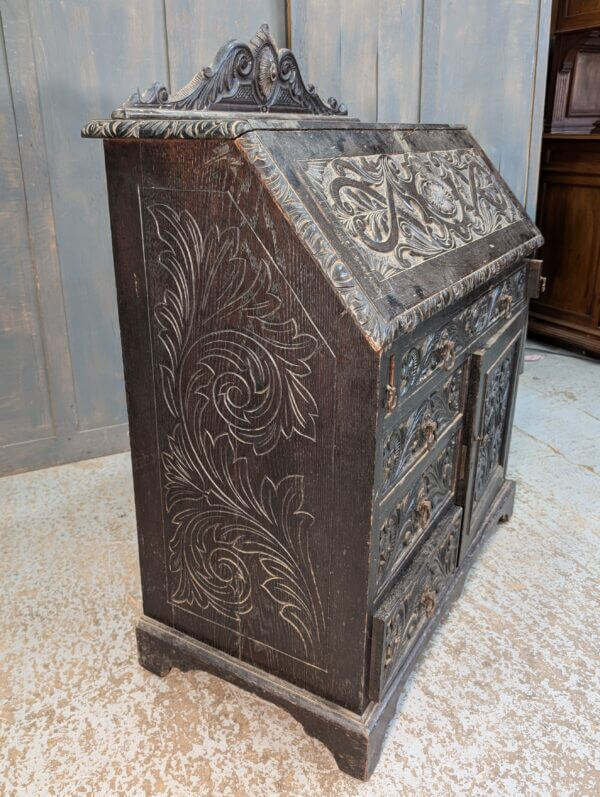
x=256, y=77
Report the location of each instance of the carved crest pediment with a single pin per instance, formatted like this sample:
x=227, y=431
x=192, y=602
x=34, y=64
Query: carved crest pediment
x=256, y=77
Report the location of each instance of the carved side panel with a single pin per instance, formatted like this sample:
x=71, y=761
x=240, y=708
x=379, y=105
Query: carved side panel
x=413, y=515
x=240, y=433
x=398, y=624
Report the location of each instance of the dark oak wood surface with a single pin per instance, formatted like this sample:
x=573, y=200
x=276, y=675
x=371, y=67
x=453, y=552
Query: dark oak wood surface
x=309, y=500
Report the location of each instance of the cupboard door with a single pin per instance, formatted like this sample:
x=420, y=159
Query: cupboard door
x=494, y=375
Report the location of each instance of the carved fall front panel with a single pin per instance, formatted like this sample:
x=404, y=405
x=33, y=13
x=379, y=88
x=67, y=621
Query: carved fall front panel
x=234, y=367
x=403, y=209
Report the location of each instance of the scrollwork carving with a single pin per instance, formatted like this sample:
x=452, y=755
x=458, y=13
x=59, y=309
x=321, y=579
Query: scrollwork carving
x=249, y=371
x=253, y=77
x=438, y=351
x=495, y=410
x=403, y=615
x=420, y=430
x=404, y=209
x=412, y=516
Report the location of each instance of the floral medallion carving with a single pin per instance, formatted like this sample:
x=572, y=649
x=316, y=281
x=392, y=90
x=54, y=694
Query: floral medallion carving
x=234, y=533
x=404, y=209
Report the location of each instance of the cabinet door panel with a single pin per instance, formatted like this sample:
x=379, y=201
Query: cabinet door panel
x=495, y=371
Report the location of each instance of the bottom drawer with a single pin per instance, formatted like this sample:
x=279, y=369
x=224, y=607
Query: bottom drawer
x=405, y=613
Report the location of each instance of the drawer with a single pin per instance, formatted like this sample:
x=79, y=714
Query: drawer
x=413, y=436
x=438, y=351
x=405, y=614
x=407, y=521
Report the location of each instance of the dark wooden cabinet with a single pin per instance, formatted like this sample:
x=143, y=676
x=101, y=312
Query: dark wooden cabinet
x=322, y=324
x=568, y=212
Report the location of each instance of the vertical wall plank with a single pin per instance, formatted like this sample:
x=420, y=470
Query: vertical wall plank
x=89, y=57
x=399, y=62
x=24, y=400
x=359, y=55
x=479, y=68
x=195, y=31
x=537, y=113
x=47, y=300
x=316, y=39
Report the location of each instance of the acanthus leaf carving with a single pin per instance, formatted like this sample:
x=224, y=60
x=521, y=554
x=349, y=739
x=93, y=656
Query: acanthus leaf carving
x=253, y=77
x=225, y=347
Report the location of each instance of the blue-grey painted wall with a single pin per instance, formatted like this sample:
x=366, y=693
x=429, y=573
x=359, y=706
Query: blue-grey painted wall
x=481, y=62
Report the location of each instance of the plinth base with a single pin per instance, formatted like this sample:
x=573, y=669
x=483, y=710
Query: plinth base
x=355, y=740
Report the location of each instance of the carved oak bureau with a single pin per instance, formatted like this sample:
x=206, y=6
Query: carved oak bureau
x=322, y=324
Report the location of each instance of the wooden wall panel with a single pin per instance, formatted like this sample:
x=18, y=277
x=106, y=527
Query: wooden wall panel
x=316, y=39
x=89, y=56
x=61, y=394
x=486, y=78
x=24, y=399
x=400, y=59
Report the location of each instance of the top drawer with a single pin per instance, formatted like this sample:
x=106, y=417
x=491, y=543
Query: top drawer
x=436, y=353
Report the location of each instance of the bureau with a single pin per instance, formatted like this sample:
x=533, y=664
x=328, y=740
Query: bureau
x=322, y=323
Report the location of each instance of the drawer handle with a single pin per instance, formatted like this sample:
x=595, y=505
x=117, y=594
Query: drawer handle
x=506, y=302
x=447, y=354
x=428, y=431
x=391, y=398
x=428, y=601
x=423, y=511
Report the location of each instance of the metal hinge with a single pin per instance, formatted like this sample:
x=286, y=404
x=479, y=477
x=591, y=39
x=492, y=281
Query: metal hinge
x=463, y=461
x=536, y=284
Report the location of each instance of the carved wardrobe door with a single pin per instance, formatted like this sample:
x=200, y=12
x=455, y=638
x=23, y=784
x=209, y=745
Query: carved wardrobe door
x=494, y=376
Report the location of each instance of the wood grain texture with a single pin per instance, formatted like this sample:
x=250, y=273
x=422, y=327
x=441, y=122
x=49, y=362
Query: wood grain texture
x=316, y=39
x=460, y=86
x=399, y=61
x=24, y=397
x=569, y=205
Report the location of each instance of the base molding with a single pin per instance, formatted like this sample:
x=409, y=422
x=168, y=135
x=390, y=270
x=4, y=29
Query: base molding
x=562, y=333
x=354, y=740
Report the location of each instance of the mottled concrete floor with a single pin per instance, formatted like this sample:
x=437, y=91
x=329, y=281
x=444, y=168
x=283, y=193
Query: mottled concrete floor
x=506, y=701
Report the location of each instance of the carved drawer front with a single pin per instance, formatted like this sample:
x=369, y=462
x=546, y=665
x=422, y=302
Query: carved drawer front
x=405, y=614
x=406, y=522
x=438, y=351
x=417, y=433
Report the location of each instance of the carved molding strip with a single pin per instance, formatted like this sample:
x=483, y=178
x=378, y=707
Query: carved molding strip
x=361, y=308
x=413, y=515
x=495, y=410
x=401, y=618
x=404, y=209
x=438, y=351
x=165, y=128
x=251, y=373
x=253, y=77
x=420, y=431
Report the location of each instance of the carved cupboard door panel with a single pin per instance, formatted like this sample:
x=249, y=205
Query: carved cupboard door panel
x=494, y=375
